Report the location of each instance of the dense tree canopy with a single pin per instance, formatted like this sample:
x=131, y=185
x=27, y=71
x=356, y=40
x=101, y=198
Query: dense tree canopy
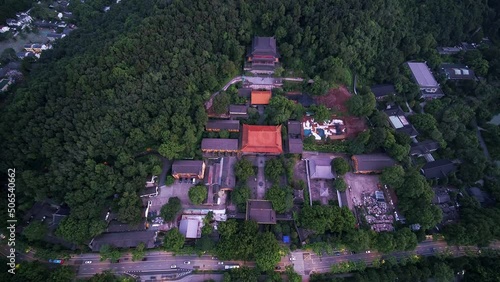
x=243, y=170
x=280, y=197
x=327, y=218
x=173, y=240
x=341, y=166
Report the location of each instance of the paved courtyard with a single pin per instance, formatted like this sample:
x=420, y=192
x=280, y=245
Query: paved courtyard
x=179, y=190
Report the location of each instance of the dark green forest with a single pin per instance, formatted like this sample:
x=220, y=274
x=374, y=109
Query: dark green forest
x=135, y=79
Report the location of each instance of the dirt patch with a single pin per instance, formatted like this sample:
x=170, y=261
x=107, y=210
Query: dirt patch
x=336, y=99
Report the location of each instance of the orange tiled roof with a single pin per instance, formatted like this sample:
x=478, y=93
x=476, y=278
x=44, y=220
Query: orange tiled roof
x=260, y=97
x=261, y=139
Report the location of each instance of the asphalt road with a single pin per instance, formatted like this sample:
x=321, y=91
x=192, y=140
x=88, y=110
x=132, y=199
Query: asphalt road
x=307, y=262
x=156, y=261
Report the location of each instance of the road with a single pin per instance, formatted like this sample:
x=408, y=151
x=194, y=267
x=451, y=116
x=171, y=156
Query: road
x=308, y=262
x=156, y=262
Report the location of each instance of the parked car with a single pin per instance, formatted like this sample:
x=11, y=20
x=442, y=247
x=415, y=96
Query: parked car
x=88, y=261
x=173, y=266
x=220, y=262
x=292, y=258
x=187, y=262
x=277, y=267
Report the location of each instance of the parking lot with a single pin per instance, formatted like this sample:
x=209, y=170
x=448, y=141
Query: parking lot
x=359, y=184
x=179, y=190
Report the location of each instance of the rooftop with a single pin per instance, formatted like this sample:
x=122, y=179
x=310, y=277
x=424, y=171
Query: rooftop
x=261, y=211
x=264, y=46
x=124, y=240
x=244, y=92
x=398, y=120
x=422, y=75
x=260, y=97
x=261, y=139
x=383, y=90
x=457, y=72
x=238, y=109
x=219, y=124
x=321, y=168
x=295, y=146
x=438, y=169
x=187, y=166
x=295, y=128
x=372, y=162
x=189, y=228
x=219, y=144
x=423, y=147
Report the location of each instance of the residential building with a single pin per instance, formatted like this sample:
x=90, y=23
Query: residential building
x=238, y=111
x=261, y=139
x=382, y=91
x=36, y=47
x=260, y=97
x=124, y=240
x=438, y=169
x=217, y=125
x=457, y=72
x=399, y=122
x=4, y=84
x=371, y=163
x=429, y=87
x=215, y=145
x=4, y=29
x=300, y=98
x=22, y=55
x=260, y=211
x=321, y=168
x=55, y=36
x=425, y=147
x=449, y=50
x=188, y=169
x=263, y=56
x=46, y=24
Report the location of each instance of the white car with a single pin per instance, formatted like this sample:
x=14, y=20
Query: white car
x=187, y=262
x=173, y=266
x=220, y=262
x=368, y=252
x=292, y=258
x=88, y=261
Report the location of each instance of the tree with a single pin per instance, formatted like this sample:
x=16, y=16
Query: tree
x=340, y=184
x=170, y=209
x=138, y=253
x=279, y=110
x=361, y=106
x=221, y=103
x=198, y=194
x=405, y=240
x=63, y=274
x=243, y=169
x=321, y=113
x=423, y=122
x=341, y=166
x=35, y=231
x=169, y=180
x=326, y=218
x=129, y=207
x=384, y=242
x=267, y=251
x=240, y=195
x=279, y=198
x=108, y=252
x=173, y=241
x=274, y=169
x=393, y=176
